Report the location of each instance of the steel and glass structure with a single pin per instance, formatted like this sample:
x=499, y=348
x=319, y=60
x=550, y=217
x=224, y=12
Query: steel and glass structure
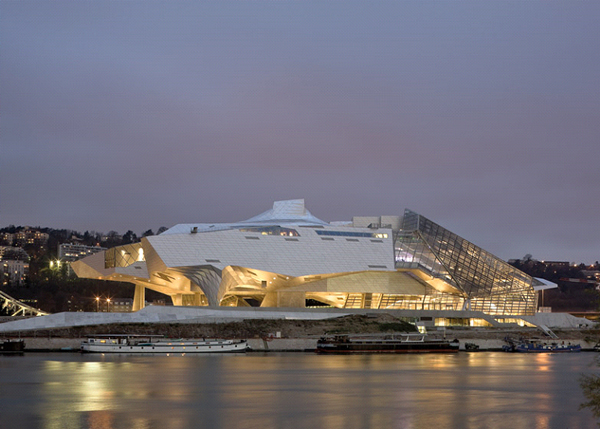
x=286, y=257
x=461, y=274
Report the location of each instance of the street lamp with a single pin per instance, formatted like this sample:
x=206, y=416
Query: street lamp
x=107, y=305
x=97, y=304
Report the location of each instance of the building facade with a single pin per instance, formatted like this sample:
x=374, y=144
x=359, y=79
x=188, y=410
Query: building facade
x=286, y=257
x=14, y=265
x=70, y=252
x=31, y=236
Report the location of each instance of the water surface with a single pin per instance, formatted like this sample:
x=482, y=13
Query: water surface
x=294, y=390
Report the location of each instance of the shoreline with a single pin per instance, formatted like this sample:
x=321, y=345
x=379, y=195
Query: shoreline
x=280, y=335
x=70, y=345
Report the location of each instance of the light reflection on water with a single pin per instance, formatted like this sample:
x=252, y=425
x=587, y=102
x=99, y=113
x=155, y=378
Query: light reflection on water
x=294, y=390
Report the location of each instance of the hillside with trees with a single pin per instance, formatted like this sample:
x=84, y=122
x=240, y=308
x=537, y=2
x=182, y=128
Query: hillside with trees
x=576, y=290
x=49, y=288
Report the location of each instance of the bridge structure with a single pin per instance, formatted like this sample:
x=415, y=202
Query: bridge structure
x=14, y=307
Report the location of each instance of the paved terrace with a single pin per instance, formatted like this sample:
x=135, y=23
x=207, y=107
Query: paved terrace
x=169, y=314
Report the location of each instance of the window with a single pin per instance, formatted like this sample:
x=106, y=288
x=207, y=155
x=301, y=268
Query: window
x=353, y=234
x=272, y=230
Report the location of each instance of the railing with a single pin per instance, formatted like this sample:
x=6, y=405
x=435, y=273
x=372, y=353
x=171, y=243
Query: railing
x=17, y=308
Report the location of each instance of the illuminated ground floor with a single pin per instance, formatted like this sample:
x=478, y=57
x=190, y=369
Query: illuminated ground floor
x=404, y=289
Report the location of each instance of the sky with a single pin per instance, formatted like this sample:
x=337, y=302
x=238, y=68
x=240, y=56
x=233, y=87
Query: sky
x=483, y=116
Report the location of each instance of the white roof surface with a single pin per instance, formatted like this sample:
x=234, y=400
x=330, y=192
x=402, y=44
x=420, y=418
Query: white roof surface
x=307, y=253
x=289, y=212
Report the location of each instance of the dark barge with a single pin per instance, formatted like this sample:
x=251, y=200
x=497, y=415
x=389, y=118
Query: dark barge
x=10, y=346
x=405, y=343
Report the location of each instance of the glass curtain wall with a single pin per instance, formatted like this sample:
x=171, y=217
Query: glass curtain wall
x=123, y=256
x=488, y=283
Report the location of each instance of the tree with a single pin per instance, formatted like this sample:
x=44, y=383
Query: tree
x=590, y=385
x=129, y=237
x=147, y=233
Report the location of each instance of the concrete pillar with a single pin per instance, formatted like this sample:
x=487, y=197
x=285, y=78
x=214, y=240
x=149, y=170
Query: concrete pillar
x=196, y=300
x=284, y=299
x=139, y=298
x=291, y=299
x=177, y=299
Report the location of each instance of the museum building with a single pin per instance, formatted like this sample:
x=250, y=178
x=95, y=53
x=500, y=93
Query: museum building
x=286, y=257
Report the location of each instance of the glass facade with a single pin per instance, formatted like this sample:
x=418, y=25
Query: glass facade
x=473, y=278
x=352, y=234
x=123, y=256
x=272, y=230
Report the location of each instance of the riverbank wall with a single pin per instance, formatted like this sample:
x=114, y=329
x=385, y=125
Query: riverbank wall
x=282, y=334
x=56, y=344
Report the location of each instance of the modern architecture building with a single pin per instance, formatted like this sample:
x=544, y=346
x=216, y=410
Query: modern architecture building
x=286, y=257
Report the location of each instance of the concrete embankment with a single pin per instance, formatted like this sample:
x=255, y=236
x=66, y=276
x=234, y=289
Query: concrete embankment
x=298, y=335
x=41, y=344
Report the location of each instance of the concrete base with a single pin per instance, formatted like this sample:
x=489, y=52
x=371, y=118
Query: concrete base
x=173, y=314
x=46, y=344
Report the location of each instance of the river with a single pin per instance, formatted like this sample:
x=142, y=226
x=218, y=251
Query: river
x=294, y=390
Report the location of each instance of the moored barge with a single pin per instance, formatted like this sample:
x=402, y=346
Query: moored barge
x=157, y=344
x=537, y=346
x=11, y=346
x=404, y=343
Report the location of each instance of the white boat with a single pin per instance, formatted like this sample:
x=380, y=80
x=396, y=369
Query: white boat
x=124, y=343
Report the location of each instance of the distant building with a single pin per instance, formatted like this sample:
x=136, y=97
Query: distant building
x=30, y=236
x=591, y=274
x=121, y=305
x=69, y=252
x=111, y=237
x=6, y=239
x=286, y=257
x=14, y=265
x=556, y=264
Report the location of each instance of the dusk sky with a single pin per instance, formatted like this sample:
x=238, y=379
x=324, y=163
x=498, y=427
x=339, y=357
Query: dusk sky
x=482, y=116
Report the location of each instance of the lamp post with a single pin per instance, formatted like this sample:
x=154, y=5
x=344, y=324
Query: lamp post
x=97, y=304
x=107, y=305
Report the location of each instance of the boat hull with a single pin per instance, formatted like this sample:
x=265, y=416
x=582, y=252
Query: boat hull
x=12, y=346
x=355, y=346
x=536, y=346
x=549, y=349
x=225, y=346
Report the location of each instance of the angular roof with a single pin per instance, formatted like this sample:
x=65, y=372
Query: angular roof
x=287, y=212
